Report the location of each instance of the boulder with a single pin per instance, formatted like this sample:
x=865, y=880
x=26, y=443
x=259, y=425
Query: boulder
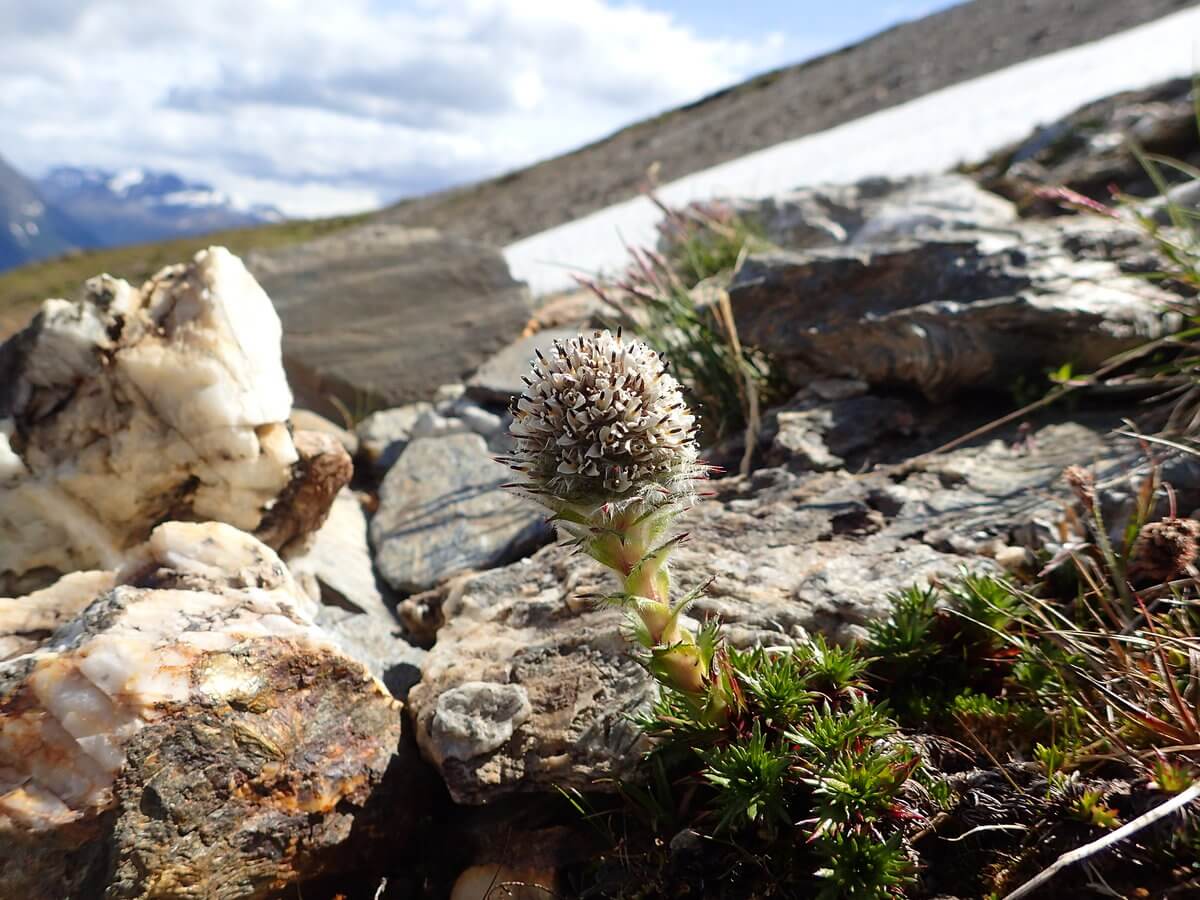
x=876, y=210
x=788, y=553
x=498, y=379
x=133, y=406
x=1091, y=149
x=379, y=316
x=187, y=729
x=442, y=512
x=949, y=312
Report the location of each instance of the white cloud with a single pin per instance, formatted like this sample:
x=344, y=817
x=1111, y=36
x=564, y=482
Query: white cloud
x=323, y=108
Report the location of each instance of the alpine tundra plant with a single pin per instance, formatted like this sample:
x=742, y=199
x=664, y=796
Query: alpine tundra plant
x=604, y=440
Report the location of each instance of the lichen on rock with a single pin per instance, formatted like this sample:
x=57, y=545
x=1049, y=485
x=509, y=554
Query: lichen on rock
x=189, y=726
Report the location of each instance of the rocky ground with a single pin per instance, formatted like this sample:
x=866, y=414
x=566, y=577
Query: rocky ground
x=232, y=665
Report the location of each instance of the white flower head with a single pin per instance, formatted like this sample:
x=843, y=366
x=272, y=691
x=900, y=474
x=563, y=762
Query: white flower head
x=602, y=421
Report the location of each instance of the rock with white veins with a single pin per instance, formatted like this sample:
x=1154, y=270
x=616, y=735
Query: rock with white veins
x=133, y=406
x=189, y=727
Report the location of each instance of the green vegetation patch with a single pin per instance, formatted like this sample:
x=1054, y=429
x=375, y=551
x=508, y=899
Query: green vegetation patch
x=23, y=289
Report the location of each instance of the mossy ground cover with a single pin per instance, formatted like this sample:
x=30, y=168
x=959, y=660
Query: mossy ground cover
x=987, y=727
x=958, y=751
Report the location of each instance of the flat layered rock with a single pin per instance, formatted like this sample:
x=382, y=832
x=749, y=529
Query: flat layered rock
x=132, y=406
x=442, y=512
x=380, y=316
x=1090, y=150
x=929, y=305
x=876, y=210
x=188, y=727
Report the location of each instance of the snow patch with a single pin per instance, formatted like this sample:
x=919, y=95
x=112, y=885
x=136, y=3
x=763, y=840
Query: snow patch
x=932, y=133
x=125, y=179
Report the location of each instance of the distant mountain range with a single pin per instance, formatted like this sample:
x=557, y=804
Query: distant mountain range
x=78, y=208
x=29, y=227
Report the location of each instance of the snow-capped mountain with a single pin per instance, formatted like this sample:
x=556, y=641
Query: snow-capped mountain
x=136, y=205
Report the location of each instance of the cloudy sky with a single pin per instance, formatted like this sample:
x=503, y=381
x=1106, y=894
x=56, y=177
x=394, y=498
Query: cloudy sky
x=320, y=108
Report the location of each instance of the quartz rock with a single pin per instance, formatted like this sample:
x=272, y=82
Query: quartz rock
x=133, y=406
x=307, y=420
x=188, y=726
x=24, y=624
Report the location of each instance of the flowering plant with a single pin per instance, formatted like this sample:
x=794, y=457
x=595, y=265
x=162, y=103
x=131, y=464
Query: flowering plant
x=604, y=440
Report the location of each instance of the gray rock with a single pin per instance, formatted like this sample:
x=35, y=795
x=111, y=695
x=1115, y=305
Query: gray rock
x=337, y=571
x=1183, y=197
x=442, y=512
x=383, y=435
x=817, y=434
x=1089, y=150
x=381, y=316
x=962, y=310
x=801, y=437
x=877, y=210
x=788, y=553
x=446, y=396
x=484, y=423
x=499, y=379
x=476, y=718
x=339, y=558
x=431, y=424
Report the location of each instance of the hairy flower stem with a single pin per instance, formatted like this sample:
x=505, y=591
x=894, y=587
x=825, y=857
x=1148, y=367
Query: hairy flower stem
x=679, y=658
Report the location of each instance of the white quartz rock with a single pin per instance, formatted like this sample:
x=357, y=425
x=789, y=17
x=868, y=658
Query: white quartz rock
x=173, y=628
x=133, y=406
x=182, y=723
x=23, y=621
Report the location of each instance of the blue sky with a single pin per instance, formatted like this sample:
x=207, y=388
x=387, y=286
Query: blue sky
x=327, y=108
x=836, y=22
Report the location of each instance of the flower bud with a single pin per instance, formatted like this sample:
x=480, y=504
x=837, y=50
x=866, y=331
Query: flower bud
x=601, y=421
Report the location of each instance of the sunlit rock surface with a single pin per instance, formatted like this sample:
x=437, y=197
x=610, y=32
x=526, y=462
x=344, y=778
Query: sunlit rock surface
x=189, y=727
x=530, y=686
x=133, y=406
